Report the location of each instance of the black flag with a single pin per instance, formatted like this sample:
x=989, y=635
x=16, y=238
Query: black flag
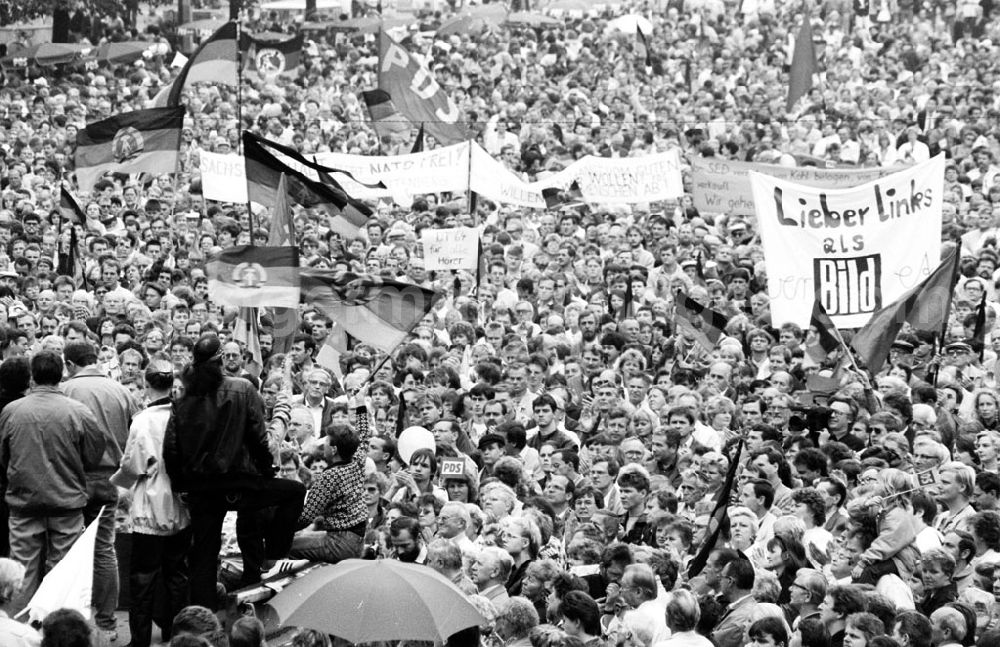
x=418, y=144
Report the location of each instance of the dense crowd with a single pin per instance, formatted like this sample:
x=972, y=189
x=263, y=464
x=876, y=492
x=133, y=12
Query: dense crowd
x=587, y=440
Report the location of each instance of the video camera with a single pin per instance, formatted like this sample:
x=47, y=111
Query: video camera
x=812, y=418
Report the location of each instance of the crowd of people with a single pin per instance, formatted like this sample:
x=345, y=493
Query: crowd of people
x=582, y=442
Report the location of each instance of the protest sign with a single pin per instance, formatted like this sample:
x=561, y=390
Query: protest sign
x=434, y=171
x=855, y=250
x=628, y=179
x=459, y=167
x=452, y=467
x=450, y=249
x=494, y=181
x=223, y=177
x=723, y=186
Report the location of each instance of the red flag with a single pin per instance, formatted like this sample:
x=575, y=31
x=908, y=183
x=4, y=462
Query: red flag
x=827, y=339
x=416, y=94
x=800, y=79
x=282, y=233
x=719, y=513
x=925, y=307
x=386, y=119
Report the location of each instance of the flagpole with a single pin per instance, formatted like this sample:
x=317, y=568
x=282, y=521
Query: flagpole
x=468, y=183
x=250, y=315
x=239, y=109
x=388, y=355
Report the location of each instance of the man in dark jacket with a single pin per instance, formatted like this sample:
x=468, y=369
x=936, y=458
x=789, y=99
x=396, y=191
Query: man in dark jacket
x=48, y=443
x=113, y=406
x=216, y=451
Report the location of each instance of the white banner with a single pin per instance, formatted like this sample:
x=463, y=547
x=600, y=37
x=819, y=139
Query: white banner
x=223, y=177
x=441, y=169
x=451, y=249
x=494, y=181
x=648, y=178
x=856, y=250
x=602, y=180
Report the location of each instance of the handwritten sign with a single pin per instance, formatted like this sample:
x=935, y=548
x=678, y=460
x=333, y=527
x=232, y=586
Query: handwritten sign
x=450, y=249
x=856, y=249
x=223, y=177
x=723, y=186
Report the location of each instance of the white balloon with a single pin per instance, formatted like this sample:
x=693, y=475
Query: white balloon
x=412, y=439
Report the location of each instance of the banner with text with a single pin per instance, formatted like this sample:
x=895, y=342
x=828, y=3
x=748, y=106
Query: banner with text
x=606, y=180
x=441, y=169
x=223, y=177
x=855, y=250
x=451, y=249
x=602, y=180
x=723, y=186
x=494, y=181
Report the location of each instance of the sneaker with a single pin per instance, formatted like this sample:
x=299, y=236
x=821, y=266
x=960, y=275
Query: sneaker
x=110, y=635
x=284, y=566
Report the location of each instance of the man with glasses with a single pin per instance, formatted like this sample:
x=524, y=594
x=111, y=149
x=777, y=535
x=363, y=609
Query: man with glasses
x=645, y=616
x=807, y=592
x=316, y=384
x=736, y=585
x=233, y=362
x=842, y=415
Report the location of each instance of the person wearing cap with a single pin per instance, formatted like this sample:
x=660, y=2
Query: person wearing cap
x=159, y=519
x=961, y=366
x=901, y=351
x=114, y=407
x=216, y=450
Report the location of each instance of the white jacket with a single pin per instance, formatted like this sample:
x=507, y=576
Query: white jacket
x=155, y=509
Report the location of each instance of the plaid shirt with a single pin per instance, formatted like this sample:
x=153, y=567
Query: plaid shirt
x=336, y=497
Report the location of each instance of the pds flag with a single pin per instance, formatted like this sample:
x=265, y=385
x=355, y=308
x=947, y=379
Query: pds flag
x=416, y=94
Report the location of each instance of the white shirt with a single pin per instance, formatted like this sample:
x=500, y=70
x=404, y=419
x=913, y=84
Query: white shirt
x=648, y=621
x=17, y=634
x=685, y=639
x=928, y=539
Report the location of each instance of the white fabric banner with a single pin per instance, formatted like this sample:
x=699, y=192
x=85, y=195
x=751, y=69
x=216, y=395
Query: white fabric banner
x=856, y=249
x=605, y=180
x=223, y=177
x=494, y=181
x=602, y=180
x=442, y=169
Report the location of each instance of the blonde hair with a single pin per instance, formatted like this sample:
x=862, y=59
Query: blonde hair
x=11, y=579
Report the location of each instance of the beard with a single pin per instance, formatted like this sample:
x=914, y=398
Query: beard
x=409, y=556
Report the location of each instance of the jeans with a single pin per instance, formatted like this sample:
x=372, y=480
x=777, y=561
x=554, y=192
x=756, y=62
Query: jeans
x=874, y=572
x=257, y=541
x=330, y=547
x=105, y=596
x=157, y=559
x=30, y=536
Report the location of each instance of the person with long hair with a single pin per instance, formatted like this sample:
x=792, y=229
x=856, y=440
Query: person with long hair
x=216, y=450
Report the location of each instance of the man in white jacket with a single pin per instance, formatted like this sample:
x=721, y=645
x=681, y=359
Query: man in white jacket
x=161, y=535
